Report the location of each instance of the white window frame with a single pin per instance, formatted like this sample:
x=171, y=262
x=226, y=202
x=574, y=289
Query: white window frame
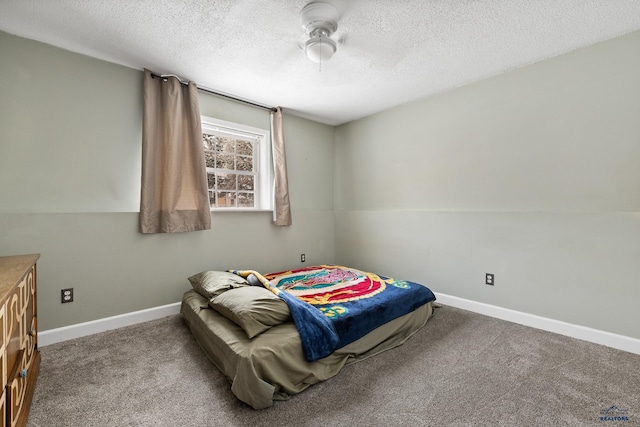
x=263, y=186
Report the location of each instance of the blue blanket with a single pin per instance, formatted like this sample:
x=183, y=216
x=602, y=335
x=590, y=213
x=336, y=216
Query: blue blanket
x=333, y=306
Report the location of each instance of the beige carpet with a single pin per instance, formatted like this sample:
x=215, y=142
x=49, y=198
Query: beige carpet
x=461, y=369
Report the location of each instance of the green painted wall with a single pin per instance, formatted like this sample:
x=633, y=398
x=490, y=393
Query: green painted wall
x=70, y=152
x=533, y=175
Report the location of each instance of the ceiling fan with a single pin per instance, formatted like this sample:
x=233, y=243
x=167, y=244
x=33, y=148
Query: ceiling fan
x=320, y=22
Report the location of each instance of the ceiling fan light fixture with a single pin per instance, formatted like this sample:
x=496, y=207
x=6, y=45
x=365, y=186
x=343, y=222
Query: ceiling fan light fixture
x=320, y=48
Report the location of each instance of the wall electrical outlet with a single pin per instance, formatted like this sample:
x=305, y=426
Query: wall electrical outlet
x=303, y=257
x=66, y=295
x=488, y=279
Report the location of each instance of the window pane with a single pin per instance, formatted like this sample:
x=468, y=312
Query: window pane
x=244, y=163
x=209, y=159
x=245, y=182
x=211, y=181
x=226, y=199
x=208, y=141
x=225, y=145
x=226, y=181
x=212, y=198
x=245, y=200
x=244, y=148
x=225, y=161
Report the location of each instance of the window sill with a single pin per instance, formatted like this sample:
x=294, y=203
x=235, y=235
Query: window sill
x=239, y=210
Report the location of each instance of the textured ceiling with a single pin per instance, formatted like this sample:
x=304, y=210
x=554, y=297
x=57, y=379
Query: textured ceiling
x=394, y=51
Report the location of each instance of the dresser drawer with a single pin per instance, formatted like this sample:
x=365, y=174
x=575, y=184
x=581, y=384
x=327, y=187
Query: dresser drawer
x=14, y=338
x=16, y=388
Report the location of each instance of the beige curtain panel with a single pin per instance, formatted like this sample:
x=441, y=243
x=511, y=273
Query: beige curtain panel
x=174, y=195
x=282, y=207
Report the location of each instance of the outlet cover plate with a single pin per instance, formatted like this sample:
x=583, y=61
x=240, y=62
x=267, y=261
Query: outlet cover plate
x=66, y=295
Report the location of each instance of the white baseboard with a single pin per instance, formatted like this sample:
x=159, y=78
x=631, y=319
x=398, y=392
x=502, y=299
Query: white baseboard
x=620, y=342
x=70, y=332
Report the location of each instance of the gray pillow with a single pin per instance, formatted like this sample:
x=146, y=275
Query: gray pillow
x=210, y=284
x=252, y=308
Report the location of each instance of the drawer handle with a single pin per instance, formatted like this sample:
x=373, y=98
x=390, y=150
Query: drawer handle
x=16, y=372
x=33, y=332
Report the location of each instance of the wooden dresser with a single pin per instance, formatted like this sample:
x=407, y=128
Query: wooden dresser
x=19, y=355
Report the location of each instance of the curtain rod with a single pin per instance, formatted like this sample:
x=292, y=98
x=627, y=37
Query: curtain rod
x=214, y=92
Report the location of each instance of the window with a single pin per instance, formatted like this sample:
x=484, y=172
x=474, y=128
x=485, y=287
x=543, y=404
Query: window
x=238, y=165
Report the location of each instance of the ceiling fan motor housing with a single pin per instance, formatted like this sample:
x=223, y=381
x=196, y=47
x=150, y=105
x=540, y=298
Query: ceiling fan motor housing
x=319, y=15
